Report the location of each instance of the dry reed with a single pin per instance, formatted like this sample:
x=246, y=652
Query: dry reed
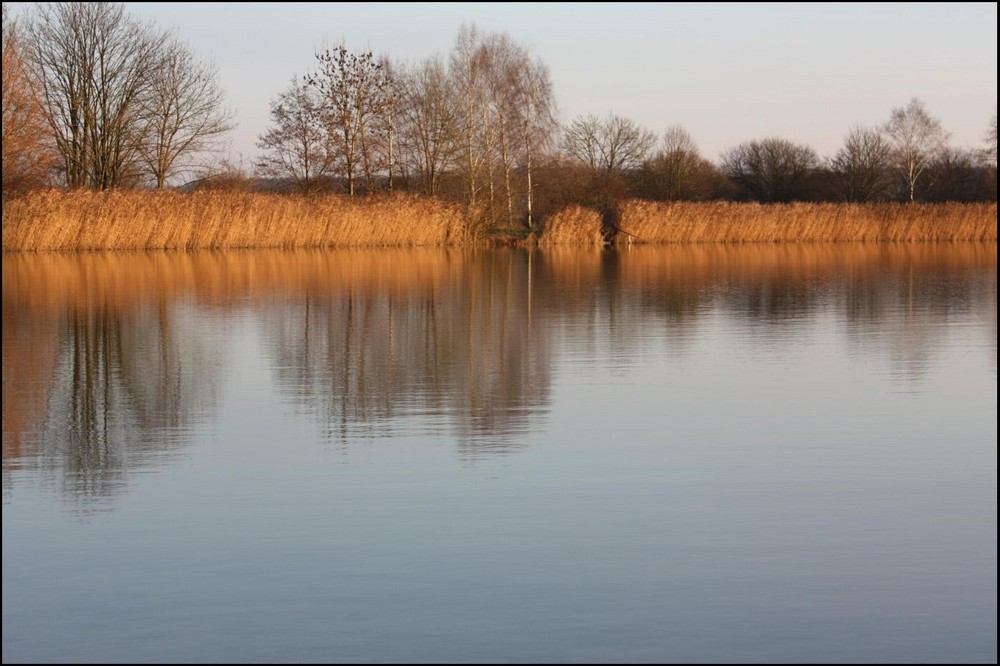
x=84, y=220
x=122, y=221
x=574, y=225
x=644, y=221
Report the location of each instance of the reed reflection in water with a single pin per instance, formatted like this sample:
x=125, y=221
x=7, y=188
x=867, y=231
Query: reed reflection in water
x=110, y=360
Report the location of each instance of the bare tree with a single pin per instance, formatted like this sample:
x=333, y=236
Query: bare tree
x=536, y=103
x=468, y=80
x=427, y=119
x=27, y=153
x=771, y=169
x=296, y=146
x=626, y=144
x=386, y=129
x=612, y=145
x=95, y=66
x=678, y=171
x=581, y=140
x=183, y=111
x=917, y=139
x=863, y=165
x=502, y=60
x=354, y=89
x=503, y=117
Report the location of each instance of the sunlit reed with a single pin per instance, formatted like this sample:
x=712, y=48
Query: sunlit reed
x=574, y=225
x=649, y=222
x=119, y=220
x=123, y=221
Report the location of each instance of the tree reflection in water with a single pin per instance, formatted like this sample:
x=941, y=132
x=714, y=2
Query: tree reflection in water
x=111, y=361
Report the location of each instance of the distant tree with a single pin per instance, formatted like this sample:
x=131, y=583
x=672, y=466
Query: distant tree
x=917, y=139
x=27, y=153
x=958, y=174
x=863, y=166
x=610, y=145
x=772, y=169
x=227, y=174
x=183, y=111
x=96, y=67
x=295, y=146
x=677, y=171
x=355, y=92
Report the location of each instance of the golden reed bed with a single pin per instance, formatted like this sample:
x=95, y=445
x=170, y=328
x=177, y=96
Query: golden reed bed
x=574, y=225
x=649, y=222
x=86, y=220
x=56, y=220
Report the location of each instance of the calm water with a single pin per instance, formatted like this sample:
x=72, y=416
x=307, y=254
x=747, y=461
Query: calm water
x=776, y=453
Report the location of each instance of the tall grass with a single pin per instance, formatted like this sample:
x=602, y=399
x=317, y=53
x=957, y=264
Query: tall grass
x=649, y=222
x=54, y=220
x=573, y=225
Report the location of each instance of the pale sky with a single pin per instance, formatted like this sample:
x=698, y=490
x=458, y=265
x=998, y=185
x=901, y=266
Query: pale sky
x=727, y=72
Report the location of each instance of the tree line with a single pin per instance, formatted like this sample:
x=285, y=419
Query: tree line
x=93, y=98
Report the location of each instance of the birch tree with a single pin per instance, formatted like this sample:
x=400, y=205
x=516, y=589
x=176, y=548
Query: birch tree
x=536, y=101
x=917, y=139
x=468, y=81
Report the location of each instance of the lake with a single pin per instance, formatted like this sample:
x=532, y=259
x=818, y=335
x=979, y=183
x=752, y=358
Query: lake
x=753, y=453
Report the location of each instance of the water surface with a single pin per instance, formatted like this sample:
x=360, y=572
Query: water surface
x=699, y=453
